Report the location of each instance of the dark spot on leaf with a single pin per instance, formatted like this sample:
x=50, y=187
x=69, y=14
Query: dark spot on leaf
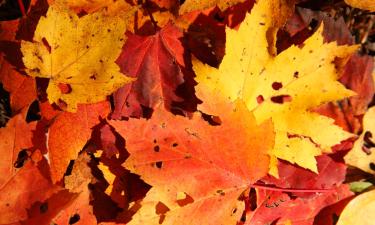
x=155, y=141
x=157, y=148
x=296, y=74
x=277, y=85
x=93, y=77
x=280, y=99
x=109, y=30
x=187, y=156
x=64, y=88
x=43, y=207
x=262, y=24
x=174, y=145
x=87, y=46
x=74, y=219
x=234, y=211
x=220, y=192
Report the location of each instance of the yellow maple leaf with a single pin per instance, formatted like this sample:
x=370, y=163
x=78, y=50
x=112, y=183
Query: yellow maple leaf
x=362, y=4
x=362, y=153
x=283, y=87
x=359, y=210
x=191, y=5
x=111, y=7
x=79, y=52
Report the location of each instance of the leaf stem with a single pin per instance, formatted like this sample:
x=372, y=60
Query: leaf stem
x=22, y=7
x=153, y=21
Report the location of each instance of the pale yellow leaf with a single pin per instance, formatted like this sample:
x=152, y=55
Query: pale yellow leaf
x=79, y=52
x=357, y=156
x=359, y=210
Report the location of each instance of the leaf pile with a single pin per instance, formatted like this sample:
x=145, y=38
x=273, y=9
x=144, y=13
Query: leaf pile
x=196, y=113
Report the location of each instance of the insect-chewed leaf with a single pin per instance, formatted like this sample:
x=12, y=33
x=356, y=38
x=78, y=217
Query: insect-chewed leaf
x=76, y=53
x=362, y=154
x=210, y=165
x=284, y=88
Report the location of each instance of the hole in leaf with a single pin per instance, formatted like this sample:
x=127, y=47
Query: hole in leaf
x=161, y=208
x=159, y=164
x=74, y=219
x=33, y=112
x=252, y=199
x=185, y=200
x=277, y=85
x=70, y=168
x=313, y=23
x=280, y=99
x=46, y=44
x=21, y=158
x=212, y=120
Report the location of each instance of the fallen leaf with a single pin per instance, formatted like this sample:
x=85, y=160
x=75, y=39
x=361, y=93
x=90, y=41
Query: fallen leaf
x=69, y=133
x=278, y=208
x=24, y=188
x=15, y=137
x=362, y=4
x=362, y=154
x=156, y=61
x=88, y=72
x=111, y=7
x=331, y=173
x=273, y=90
x=358, y=210
x=22, y=89
x=192, y=5
x=178, y=156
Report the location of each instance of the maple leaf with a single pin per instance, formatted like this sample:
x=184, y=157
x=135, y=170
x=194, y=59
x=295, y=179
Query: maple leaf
x=157, y=63
x=15, y=137
x=22, y=89
x=200, y=162
x=82, y=60
x=362, y=4
x=24, y=188
x=273, y=90
x=111, y=7
x=331, y=174
x=362, y=154
x=279, y=208
x=357, y=210
x=69, y=133
x=192, y=5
